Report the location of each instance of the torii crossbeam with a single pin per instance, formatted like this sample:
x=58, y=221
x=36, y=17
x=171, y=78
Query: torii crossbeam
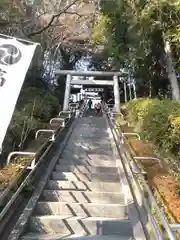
x=70, y=73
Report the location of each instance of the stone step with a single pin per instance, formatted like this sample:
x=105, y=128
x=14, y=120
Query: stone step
x=80, y=186
x=85, y=169
x=83, y=197
x=104, y=177
x=102, y=169
x=69, y=176
x=67, y=162
x=95, y=160
x=39, y=236
x=78, y=176
x=71, y=168
x=65, y=226
x=82, y=210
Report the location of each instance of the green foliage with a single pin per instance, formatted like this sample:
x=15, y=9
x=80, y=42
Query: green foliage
x=40, y=103
x=19, y=120
x=137, y=31
x=36, y=106
x=100, y=32
x=138, y=109
x=157, y=121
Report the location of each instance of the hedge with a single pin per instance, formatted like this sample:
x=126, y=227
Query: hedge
x=157, y=121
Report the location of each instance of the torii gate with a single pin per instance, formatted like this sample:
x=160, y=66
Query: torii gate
x=70, y=73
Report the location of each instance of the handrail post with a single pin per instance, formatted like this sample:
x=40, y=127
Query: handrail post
x=142, y=182
x=65, y=112
x=175, y=227
x=45, y=130
x=147, y=158
x=11, y=154
x=33, y=163
x=132, y=134
x=58, y=119
x=33, y=166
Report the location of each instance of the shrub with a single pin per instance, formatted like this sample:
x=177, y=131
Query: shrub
x=34, y=109
x=175, y=132
x=41, y=104
x=157, y=121
x=137, y=111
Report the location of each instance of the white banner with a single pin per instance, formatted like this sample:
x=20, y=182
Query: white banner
x=15, y=58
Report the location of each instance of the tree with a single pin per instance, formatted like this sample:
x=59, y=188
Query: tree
x=164, y=16
x=63, y=29
x=141, y=30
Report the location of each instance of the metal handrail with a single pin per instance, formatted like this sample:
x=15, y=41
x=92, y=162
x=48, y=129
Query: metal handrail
x=175, y=226
x=135, y=158
x=153, y=201
x=58, y=119
x=119, y=113
x=73, y=105
x=147, y=158
x=132, y=134
x=46, y=130
x=11, y=154
x=28, y=177
x=161, y=216
x=66, y=112
x=122, y=138
x=23, y=184
x=27, y=166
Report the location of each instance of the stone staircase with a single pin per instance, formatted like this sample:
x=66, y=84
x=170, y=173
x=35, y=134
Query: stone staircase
x=83, y=198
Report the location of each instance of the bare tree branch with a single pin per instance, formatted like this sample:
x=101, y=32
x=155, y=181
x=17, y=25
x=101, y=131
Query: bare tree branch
x=52, y=19
x=41, y=14
x=75, y=13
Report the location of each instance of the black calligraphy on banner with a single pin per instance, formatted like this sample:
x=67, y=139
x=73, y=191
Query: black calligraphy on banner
x=2, y=77
x=9, y=55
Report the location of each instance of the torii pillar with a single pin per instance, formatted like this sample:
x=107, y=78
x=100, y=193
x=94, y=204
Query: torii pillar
x=67, y=92
x=116, y=93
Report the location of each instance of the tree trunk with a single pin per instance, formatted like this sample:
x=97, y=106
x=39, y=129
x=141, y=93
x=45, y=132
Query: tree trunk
x=171, y=72
x=150, y=88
